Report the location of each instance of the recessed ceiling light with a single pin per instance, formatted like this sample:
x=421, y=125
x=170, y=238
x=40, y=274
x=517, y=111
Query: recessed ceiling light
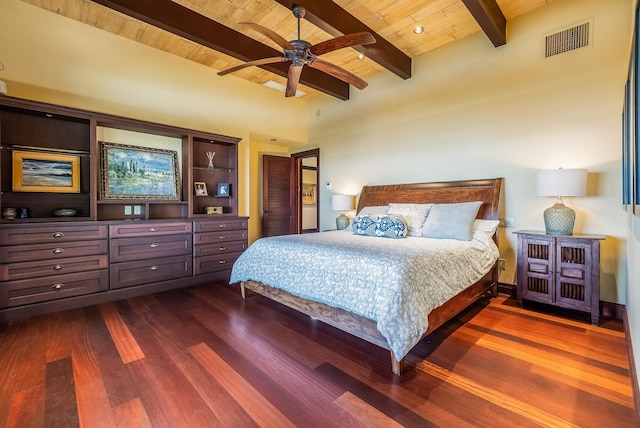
x=280, y=87
x=361, y=56
x=419, y=29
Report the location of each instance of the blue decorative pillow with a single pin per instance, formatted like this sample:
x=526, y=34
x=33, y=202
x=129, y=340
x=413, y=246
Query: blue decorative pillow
x=391, y=226
x=364, y=225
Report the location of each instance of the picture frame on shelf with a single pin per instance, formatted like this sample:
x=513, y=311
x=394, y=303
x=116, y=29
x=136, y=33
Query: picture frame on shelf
x=308, y=194
x=224, y=190
x=136, y=172
x=46, y=172
x=200, y=188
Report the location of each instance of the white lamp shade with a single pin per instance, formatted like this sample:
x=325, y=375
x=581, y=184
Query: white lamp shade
x=562, y=182
x=342, y=202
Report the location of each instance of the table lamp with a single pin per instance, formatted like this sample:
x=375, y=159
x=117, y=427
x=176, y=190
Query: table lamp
x=559, y=219
x=342, y=203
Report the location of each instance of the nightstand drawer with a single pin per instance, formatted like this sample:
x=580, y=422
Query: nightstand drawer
x=24, y=253
x=148, y=229
x=24, y=292
x=34, y=269
x=129, y=274
x=129, y=249
x=209, y=264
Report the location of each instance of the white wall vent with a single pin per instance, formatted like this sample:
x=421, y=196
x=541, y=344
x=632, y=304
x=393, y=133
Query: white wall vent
x=568, y=40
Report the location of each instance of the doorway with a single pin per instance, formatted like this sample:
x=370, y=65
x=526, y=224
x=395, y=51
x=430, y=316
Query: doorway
x=307, y=165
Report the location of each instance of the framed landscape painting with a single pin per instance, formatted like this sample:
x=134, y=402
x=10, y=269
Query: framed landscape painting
x=133, y=172
x=45, y=172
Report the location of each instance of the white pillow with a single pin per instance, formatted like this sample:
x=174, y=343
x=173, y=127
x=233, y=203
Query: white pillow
x=451, y=221
x=413, y=214
x=489, y=226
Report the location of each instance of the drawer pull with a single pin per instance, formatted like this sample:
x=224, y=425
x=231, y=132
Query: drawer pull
x=222, y=262
x=153, y=229
x=57, y=286
x=58, y=267
x=154, y=245
x=222, y=236
x=154, y=267
x=222, y=225
x=58, y=250
x=57, y=235
x=223, y=248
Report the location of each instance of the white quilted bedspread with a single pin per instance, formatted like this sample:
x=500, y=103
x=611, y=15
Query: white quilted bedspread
x=395, y=282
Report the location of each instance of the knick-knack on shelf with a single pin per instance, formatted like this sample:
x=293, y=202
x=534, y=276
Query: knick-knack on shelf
x=210, y=155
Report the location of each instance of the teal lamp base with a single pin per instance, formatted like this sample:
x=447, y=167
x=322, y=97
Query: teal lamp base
x=342, y=221
x=559, y=219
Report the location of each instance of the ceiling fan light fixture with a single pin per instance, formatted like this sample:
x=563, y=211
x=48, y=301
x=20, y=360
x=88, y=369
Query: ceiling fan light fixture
x=281, y=88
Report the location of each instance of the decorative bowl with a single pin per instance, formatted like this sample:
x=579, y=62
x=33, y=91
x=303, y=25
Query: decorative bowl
x=64, y=212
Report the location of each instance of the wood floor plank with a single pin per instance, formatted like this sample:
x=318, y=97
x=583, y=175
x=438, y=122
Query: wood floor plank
x=123, y=339
x=61, y=409
x=254, y=403
x=366, y=414
x=26, y=408
x=132, y=415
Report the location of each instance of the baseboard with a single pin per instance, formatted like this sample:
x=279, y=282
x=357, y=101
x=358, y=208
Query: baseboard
x=509, y=289
x=633, y=374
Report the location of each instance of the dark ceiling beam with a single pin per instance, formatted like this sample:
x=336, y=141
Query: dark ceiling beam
x=184, y=22
x=336, y=21
x=490, y=18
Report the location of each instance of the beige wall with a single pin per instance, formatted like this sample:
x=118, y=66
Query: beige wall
x=475, y=111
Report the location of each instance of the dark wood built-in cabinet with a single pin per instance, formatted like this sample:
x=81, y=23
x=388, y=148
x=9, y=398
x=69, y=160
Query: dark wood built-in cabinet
x=109, y=249
x=560, y=270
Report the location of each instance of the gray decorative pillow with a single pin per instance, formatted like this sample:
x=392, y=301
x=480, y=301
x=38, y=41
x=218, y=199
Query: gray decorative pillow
x=413, y=214
x=391, y=226
x=451, y=221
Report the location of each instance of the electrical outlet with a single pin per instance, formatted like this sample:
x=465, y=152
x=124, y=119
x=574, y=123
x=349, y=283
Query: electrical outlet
x=502, y=264
x=507, y=222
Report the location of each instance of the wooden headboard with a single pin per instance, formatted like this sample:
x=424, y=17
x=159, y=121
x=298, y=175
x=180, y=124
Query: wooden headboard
x=487, y=191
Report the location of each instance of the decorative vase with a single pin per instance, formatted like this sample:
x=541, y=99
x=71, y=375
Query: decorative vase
x=210, y=155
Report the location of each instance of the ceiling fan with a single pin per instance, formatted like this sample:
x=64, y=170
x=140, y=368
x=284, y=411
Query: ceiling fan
x=300, y=53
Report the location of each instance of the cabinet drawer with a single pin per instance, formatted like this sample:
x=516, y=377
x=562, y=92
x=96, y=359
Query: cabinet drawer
x=220, y=236
x=129, y=274
x=209, y=264
x=129, y=249
x=148, y=229
x=220, y=248
x=24, y=292
x=51, y=233
x=218, y=225
x=34, y=269
x=58, y=250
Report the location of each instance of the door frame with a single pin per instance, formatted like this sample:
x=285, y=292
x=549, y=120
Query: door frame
x=298, y=157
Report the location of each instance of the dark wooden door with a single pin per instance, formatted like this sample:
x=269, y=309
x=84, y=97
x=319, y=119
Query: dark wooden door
x=278, y=196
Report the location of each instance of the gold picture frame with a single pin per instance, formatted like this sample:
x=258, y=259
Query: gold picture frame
x=308, y=194
x=45, y=172
x=200, y=188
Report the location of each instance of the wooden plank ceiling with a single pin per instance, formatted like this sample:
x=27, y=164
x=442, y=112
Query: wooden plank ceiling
x=210, y=33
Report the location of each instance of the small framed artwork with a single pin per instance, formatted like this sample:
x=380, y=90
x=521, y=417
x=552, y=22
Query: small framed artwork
x=45, y=172
x=200, y=188
x=308, y=194
x=224, y=190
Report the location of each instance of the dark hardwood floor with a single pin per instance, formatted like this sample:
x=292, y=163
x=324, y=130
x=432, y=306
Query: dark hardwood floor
x=203, y=357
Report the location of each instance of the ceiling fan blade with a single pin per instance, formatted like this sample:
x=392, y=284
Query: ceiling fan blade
x=340, y=73
x=284, y=43
x=262, y=61
x=293, y=79
x=348, y=40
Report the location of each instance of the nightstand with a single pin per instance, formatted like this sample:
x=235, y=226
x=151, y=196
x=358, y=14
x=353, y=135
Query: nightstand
x=560, y=270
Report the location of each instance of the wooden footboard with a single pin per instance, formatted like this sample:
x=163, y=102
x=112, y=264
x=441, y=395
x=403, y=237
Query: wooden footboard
x=365, y=328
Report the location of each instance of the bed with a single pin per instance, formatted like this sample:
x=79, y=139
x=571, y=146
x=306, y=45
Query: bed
x=376, y=288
